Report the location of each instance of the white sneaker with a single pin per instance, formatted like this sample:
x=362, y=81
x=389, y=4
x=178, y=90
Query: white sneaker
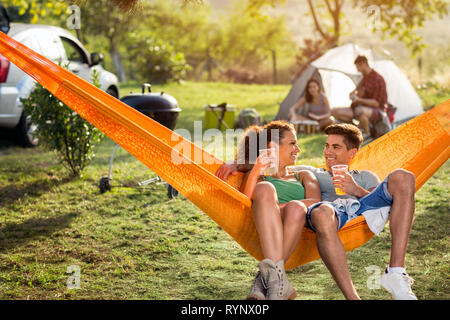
x=398, y=285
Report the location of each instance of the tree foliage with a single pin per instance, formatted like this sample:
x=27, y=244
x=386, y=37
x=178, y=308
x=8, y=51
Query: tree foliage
x=249, y=40
x=154, y=59
x=35, y=9
x=401, y=19
x=236, y=39
x=394, y=18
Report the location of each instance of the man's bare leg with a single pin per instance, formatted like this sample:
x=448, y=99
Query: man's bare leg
x=331, y=249
x=363, y=115
x=325, y=123
x=401, y=185
x=343, y=114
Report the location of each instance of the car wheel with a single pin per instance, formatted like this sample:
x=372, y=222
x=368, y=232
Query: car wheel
x=26, y=132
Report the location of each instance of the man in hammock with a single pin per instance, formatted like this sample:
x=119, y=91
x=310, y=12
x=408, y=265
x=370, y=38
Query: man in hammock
x=396, y=193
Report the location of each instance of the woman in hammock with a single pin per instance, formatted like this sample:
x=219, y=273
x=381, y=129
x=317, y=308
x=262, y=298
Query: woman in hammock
x=279, y=227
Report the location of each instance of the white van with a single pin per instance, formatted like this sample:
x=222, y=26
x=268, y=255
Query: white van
x=58, y=45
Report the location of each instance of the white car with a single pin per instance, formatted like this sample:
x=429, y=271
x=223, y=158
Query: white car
x=58, y=45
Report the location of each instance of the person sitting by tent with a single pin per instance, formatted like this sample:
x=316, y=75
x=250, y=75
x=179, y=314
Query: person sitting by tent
x=313, y=106
x=369, y=99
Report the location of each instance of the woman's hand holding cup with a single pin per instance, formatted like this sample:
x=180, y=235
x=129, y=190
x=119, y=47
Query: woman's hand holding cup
x=266, y=161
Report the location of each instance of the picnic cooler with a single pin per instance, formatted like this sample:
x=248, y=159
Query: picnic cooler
x=222, y=113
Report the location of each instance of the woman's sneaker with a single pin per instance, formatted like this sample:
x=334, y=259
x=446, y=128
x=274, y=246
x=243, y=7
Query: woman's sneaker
x=259, y=289
x=278, y=286
x=398, y=284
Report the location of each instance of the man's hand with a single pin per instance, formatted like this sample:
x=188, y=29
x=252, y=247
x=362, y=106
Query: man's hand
x=372, y=103
x=347, y=184
x=225, y=170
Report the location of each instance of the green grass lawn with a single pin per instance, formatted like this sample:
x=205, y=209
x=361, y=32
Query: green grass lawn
x=135, y=243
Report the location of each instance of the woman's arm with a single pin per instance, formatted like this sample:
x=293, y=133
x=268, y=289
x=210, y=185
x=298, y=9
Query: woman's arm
x=297, y=106
x=249, y=182
x=312, y=187
x=254, y=176
x=314, y=117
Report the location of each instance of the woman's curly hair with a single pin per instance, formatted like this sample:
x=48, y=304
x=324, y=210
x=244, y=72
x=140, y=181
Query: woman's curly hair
x=256, y=138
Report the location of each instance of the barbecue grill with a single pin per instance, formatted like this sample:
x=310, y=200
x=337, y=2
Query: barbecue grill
x=160, y=107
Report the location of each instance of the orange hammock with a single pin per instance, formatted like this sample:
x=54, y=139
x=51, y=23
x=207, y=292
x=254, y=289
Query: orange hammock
x=421, y=146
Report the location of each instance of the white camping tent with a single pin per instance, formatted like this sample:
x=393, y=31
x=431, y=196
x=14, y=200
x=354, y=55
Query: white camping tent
x=337, y=71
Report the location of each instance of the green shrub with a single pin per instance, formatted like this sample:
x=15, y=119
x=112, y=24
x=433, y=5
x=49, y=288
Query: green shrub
x=432, y=94
x=61, y=129
x=156, y=60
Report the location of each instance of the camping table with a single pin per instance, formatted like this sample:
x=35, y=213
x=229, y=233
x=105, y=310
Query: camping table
x=306, y=126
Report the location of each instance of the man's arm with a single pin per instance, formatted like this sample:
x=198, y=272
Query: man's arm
x=359, y=191
x=312, y=187
x=378, y=94
x=348, y=184
x=232, y=168
x=244, y=167
x=367, y=102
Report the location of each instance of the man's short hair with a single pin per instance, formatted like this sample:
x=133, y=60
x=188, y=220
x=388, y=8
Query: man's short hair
x=352, y=135
x=361, y=59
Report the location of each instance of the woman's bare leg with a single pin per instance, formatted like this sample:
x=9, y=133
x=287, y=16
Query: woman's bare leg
x=293, y=215
x=267, y=218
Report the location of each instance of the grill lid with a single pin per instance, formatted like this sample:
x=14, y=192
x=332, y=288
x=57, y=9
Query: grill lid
x=151, y=102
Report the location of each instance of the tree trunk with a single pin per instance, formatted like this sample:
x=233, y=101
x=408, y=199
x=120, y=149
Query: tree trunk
x=274, y=66
x=115, y=56
x=330, y=38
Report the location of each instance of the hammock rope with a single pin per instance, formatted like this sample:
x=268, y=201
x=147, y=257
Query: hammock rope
x=420, y=146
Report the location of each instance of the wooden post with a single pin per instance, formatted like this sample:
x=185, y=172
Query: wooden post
x=419, y=66
x=274, y=64
x=208, y=63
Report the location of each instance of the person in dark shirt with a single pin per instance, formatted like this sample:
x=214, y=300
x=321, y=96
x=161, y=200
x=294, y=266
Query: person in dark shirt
x=369, y=98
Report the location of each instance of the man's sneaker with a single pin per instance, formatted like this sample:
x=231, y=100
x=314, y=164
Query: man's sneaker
x=398, y=284
x=259, y=289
